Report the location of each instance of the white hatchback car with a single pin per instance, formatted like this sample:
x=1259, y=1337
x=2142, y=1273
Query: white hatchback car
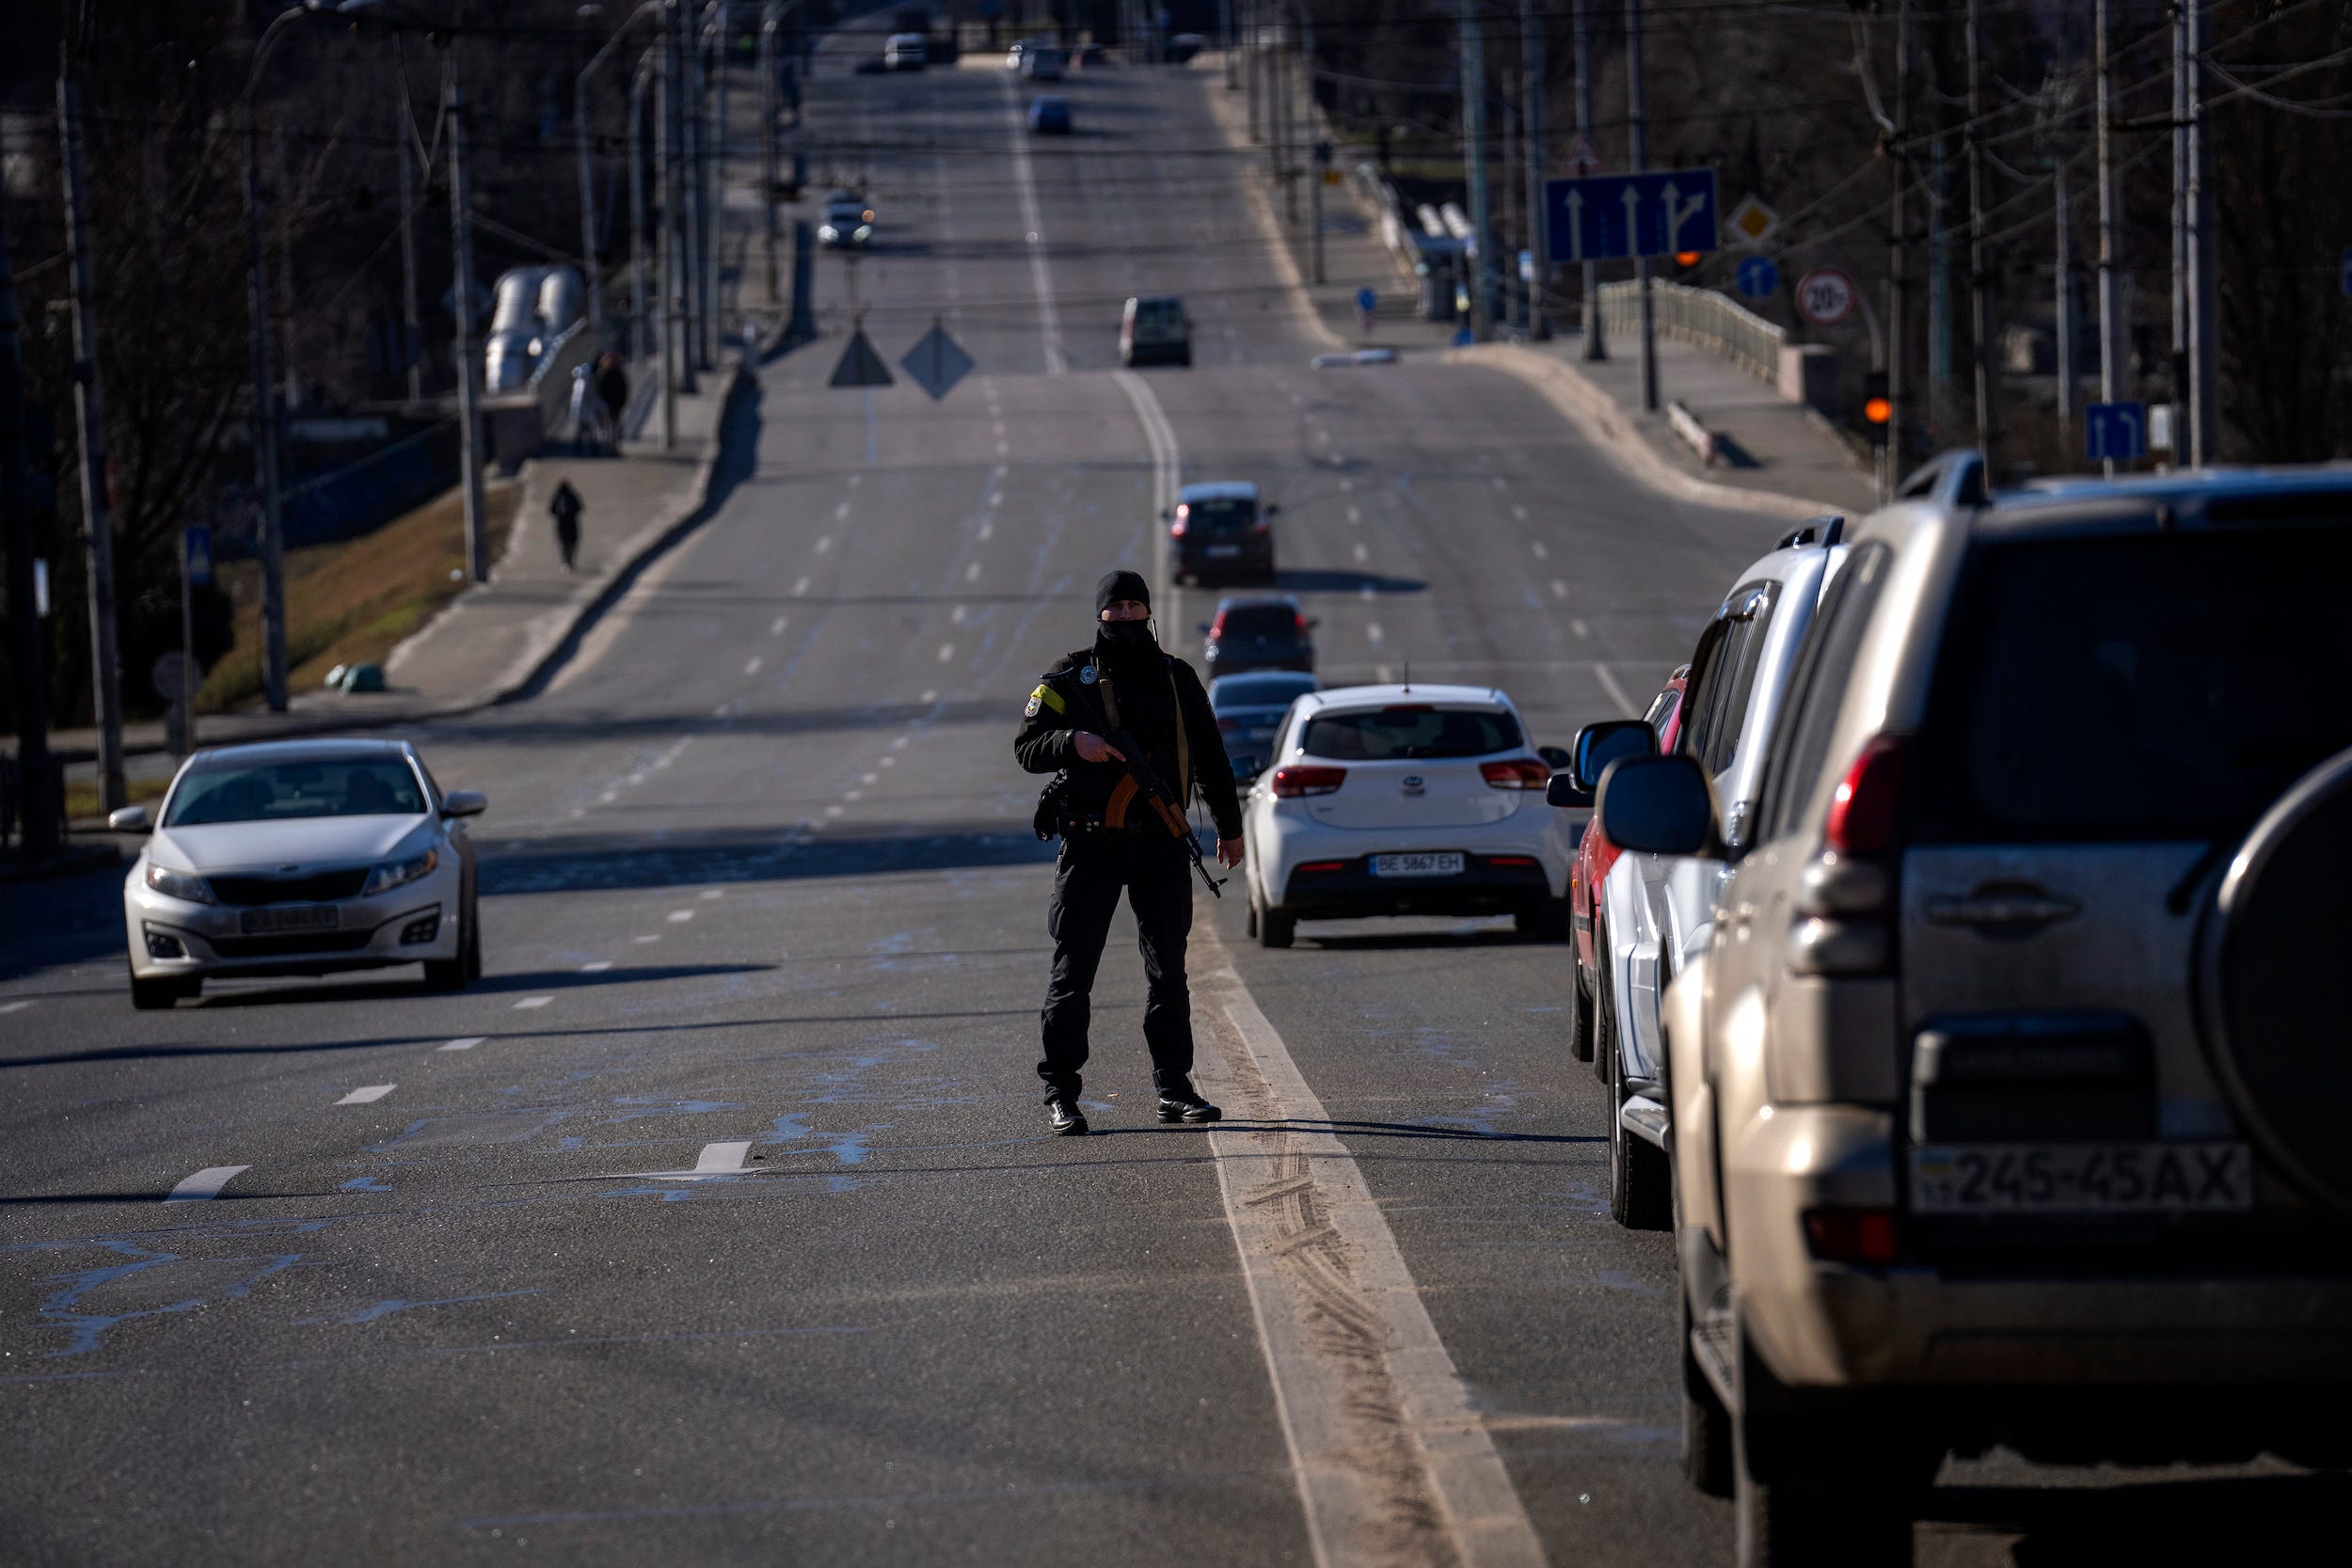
x=1405, y=800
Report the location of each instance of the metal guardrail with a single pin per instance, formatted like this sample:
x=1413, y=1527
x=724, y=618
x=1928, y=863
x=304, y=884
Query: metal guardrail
x=1700, y=317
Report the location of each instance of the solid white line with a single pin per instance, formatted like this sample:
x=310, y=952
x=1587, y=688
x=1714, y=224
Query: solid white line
x=206, y=1183
x=1616, y=694
x=528, y=1003
x=465, y=1044
x=680, y=918
x=368, y=1096
x=1393, y=1461
x=1049, y=320
x=595, y=966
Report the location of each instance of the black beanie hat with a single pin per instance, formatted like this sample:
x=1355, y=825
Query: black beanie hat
x=1122, y=584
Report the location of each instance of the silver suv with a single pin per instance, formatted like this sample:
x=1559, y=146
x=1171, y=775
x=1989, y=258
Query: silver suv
x=2009, y=1096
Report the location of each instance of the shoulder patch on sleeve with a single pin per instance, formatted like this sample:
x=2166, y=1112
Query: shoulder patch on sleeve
x=1044, y=696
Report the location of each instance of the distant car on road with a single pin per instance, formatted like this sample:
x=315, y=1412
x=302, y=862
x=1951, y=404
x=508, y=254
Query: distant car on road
x=849, y=222
x=1264, y=633
x=1220, y=529
x=906, y=51
x=1403, y=799
x=1249, y=710
x=1154, y=330
x=1049, y=115
x=300, y=857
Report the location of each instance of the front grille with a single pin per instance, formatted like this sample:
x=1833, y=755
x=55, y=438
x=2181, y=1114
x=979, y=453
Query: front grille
x=300, y=943
x=322, y=887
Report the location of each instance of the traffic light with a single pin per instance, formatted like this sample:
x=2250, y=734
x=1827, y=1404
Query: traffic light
x=1877, y=408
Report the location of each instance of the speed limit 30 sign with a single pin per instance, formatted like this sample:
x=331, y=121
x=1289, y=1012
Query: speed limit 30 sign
x=1825, y=296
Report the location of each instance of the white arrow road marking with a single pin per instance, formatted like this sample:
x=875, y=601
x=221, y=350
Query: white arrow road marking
x=206, y=1183
x=368, y=1096
x=465, y=1044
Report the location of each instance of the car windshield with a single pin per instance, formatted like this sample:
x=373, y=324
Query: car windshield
x=1269, y=690
x=1258, y=622
x=1410, y=731
x=2166, y=687
x=273, y=791
x=1221, y=513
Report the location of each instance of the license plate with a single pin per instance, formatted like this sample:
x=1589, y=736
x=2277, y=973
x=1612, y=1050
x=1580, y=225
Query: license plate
x=1221, y=551
x=317, y=917
x=2082, y=1179
x=1448, y=863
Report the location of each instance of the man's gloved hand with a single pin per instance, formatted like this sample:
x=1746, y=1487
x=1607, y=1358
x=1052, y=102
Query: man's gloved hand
x=1093, y=748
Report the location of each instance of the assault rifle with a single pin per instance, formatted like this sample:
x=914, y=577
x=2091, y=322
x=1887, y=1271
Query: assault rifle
x=1143, y=780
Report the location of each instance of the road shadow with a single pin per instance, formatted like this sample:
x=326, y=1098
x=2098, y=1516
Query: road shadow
x=2153, y=1524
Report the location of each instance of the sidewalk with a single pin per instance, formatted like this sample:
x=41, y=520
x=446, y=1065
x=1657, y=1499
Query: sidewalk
x=1799, y=466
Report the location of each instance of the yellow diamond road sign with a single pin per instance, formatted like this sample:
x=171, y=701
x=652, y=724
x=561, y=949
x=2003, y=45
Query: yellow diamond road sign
x=1752, y=220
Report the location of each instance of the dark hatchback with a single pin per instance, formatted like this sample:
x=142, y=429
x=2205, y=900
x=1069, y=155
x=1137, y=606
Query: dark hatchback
x=1259, y=634
x=1249, y=708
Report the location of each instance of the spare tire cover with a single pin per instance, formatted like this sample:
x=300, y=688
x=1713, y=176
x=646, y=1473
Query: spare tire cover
x=2278, y=999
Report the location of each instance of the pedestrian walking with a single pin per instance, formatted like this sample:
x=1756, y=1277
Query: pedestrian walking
x=612, y=391
x=566, y=506
x=1112, y=844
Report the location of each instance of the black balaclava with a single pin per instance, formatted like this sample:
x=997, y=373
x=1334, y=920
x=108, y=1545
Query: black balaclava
x=1122, y=640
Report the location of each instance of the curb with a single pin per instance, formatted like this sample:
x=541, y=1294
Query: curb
x=1595, y=413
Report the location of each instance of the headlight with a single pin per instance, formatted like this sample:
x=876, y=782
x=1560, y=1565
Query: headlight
x=392, y=873
x=178, y=884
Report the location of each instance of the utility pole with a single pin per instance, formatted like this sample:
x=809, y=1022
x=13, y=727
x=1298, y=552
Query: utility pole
x=265, y=431
x=412, y=324
x=1532, y=144
x=36, y=811
x=2109, y=382
x=1474, y=157
x=2204, y=262
x=1596, y=339
x=90, y=413
x=1637, y=115
x=1979, y=265
x=468, y=415
x=1897, y=263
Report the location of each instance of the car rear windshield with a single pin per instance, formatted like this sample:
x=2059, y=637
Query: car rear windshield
x=2122, y=688
x=270, y=792
x=1259, y=690
x=1261, y=622
x=1409, y=732
x=1221, y=513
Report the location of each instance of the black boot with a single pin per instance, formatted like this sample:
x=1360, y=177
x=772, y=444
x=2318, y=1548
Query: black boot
x=1180, y=1103
x=1064, y=1117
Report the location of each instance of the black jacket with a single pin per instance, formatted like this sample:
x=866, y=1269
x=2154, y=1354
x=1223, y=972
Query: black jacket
x=1069, y=699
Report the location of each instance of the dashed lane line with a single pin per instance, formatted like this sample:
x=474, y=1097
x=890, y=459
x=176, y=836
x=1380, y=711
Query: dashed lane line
x=206, y=1183
x=368, y=1096
x=465, y=1044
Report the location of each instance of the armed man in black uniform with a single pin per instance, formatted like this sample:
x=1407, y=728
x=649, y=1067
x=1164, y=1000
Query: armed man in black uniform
x=1112, y=841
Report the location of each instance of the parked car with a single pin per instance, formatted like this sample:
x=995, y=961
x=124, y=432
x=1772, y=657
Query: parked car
x=2010, y=1091
x=849, y=222
x=1595, y=853
x=1249, y=710
x=906, y=51
x=1403, y=799
x=300, y=857
x=1049, y=114
x=1653, y=913
x=1220, y=529
x=1265, y=633
x=1153, y=329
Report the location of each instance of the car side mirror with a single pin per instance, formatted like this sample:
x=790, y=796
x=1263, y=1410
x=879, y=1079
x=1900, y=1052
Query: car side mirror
x=464, y=802
x=1561, y=790
x=1598, y=745
x=1658, y=805
x=130, y=820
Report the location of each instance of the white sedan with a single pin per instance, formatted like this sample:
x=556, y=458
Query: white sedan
x=300, y=857
x=1405, y=800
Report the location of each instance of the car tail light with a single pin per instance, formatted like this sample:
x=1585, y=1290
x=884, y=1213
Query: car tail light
x=1850, y=1235
x=1516, y=773
x=1862, y=818
x=1307, y=779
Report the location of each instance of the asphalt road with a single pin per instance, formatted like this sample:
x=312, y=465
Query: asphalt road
x=757, y=872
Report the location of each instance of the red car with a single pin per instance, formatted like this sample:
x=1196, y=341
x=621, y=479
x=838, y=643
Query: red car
x=1595, y=855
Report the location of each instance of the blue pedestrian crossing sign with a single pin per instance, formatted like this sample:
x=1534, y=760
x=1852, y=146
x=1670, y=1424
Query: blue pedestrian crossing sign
x=2116, y=431
x=200, y=563
x=1756, y=277
x=1611, y=218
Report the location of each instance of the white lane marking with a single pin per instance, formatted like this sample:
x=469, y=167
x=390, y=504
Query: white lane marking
x=368, y=1096
x=1541, y=552
x=465, y=1044
x=595, y=966
x=1372, y=633
x=644, y=940
x=680, y=918
x=1376, y=1416
x=1362, y=554
x=528, y=1003
x=775, y=627
x=1578, y=626
x=824, y=543
x=1049, y=320
x=206, y=1183
x=946, y=652
x=799, y=588
x=1616, y=694
x=750, y=665
x=971, y=572
x=13, y=1007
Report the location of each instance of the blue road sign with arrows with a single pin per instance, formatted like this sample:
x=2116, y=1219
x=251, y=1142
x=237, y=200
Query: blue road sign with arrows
x=1756, y=277
x=1610, y=217
x=2117, y=430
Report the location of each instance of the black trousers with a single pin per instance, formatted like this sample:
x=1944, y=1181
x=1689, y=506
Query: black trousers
x=1156, y=876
